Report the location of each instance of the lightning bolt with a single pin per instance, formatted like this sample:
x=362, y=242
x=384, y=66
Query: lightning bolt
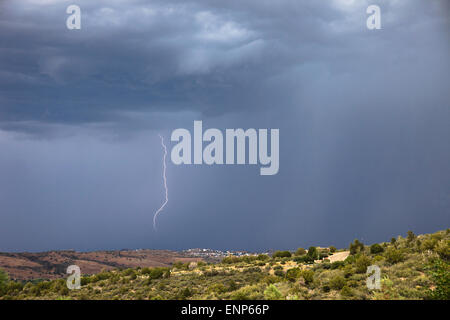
x=165, y=182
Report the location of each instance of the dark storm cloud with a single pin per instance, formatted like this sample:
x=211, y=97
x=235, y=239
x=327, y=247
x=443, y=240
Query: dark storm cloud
x=363, y=118
x=212, y=57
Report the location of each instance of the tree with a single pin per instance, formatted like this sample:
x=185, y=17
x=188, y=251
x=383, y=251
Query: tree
x=313, y=253
x=300, y=252
x=410, y=237
x=332, y=249
x=393, y=241
x=356, y=246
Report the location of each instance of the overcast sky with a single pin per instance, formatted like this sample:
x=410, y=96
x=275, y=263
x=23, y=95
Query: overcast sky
x=364, y=119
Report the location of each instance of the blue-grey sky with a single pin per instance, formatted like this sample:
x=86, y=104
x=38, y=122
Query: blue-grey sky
x=364, y=119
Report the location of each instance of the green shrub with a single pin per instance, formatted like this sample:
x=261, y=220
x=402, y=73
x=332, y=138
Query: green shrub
x=337, y=265
x=439, y=272
x=362, y=263
x=4, y=279
x=262, y=257
x=308, y=276
x=443, y=249
x=376, y=248
x=428, y=244
x=293, y=274
x=185, y=293
x=394, y=255
x=281, y=254
x=332, y=249
x=272, y=293
x=300, y=252
x=346, y=291
x=337, y=282
x=279, y=273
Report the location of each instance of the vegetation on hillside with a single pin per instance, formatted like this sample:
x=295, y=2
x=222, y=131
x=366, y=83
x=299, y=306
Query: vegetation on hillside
x=412, y=267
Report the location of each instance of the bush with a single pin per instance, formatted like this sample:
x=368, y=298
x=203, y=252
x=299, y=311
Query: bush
x=337, y=282
x=293, y=274
x=346, y=291
x=429, y=244
x=337, y=265
x=394, y=255
x=300, y=252
x=3, y=281
x=362, y=263
x=410, y=237
x=304, y=259
x=332, y=249
x=185, y=293
x=376, y=248
x=272, y=293
x=262, y=257
x=439, y=272
x=231, y=259
x=157, y=273
x=308, y=276
x=281, y=254
x=443, y=249
x=279, y=273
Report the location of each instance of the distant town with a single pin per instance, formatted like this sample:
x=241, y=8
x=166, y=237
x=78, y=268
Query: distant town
x=218, y=254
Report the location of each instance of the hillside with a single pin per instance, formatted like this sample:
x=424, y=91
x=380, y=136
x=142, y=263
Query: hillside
x=53, y=264
x=412, y=267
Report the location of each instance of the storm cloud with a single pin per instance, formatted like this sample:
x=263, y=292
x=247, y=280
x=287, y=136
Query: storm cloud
x=363, y=117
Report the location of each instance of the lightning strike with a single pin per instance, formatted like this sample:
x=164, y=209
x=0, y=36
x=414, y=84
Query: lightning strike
x=165, y=182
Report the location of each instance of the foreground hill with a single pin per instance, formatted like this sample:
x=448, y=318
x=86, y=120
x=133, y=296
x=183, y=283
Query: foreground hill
x=412, y=267
x=53, y=264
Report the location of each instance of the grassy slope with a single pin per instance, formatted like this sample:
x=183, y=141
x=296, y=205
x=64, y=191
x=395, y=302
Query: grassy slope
x=406, y=272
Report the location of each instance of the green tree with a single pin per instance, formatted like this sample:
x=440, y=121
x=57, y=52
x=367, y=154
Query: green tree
x=332, y=249
x=313, y=253
x=356, y=246
x=300, y=252
x=393, y=241
x=410, y=237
